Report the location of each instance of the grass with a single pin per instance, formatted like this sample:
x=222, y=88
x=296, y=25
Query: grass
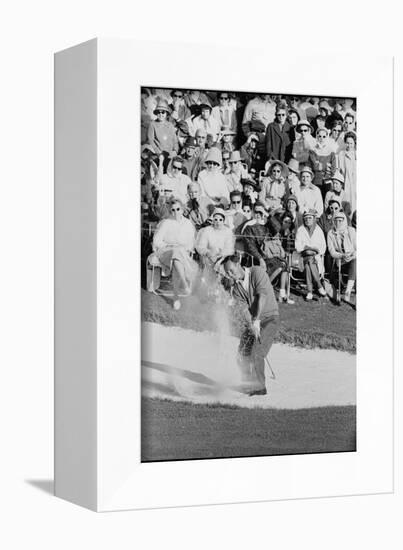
x=183, y=431
x=308, y=325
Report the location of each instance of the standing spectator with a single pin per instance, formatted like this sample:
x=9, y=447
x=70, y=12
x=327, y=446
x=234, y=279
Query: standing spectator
x=175, y=180
x=293, y=117
x=280, y=136
x=310, y=243
x=323, y=160
x=309, y=196
x=213, y=183
x=337, y=136
x=235, y=215
x=206, y=122
x=303, y=144
x=194, y=99
x=260, y=109
x=190, y=159
x=180, y=111
x=274, y=186
x=347, y=162
x=161, y=133
x=225, y=112
x=341, y=241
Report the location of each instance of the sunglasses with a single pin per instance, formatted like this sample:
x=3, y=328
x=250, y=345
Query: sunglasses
x=246, y=210
x=160, y=112
x=210, y=163
x=281, y=114
x=176, y=167
x=304, y=131
x=224, y=97
x=175, y=209
x=236, y=202
x=276, y=171
x=178, y=96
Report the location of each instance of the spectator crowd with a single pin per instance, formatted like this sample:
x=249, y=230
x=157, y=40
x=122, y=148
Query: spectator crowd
x=270, y=176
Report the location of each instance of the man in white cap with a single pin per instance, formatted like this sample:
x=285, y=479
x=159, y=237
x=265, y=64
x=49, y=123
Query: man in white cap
x=309, y=196
x=213, y=183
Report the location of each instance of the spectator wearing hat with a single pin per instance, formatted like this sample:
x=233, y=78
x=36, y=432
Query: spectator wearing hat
x=213, y=183
x=251, y=190
x=190, y=158
x=337, y=136
x=215, y=241
x=251, y=155
x=304, y=143
x=323, y=160
x=161, y=134
x=337, y=193
x=235, y=215
x=293, y=183
x=226, y=143
x=336, y=115
x=205, y=122
x=237, y=172
x=225, y=112
x=292, y=210
x=346, y=161
x=341, y=242
x=325, y=222
x=274, y=186
x=280, y=136
x=174, y=181
x=310, y=243
x=198, y=208
x=260, y=109
x=309, y=196
x=194, y=99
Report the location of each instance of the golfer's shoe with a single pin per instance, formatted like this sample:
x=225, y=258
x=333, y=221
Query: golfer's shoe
x=309, y=297
x=262, y=391
x=177, y=305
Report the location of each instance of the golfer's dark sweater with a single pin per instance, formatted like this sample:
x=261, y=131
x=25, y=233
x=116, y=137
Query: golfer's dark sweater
x=258, y=282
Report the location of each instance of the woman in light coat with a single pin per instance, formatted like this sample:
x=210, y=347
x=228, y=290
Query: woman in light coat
x=341, y=242
x=346, y=162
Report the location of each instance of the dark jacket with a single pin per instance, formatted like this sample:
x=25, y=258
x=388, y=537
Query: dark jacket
x=279, y=141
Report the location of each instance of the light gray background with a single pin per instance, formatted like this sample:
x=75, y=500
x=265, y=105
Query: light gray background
x=30, y=33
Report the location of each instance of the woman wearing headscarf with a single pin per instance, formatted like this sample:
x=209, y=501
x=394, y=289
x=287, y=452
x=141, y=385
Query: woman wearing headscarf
x=310, y=243
x=322, y=159
x=347, y=164
x=274, y=186
x=173, y=243
x=341, y=241
x=292, y=209
x=213, y=183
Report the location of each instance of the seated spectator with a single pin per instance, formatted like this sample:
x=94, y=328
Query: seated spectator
x=247, y=212
x=338, y=193
x=251, y=190
x=235, y=215
x=174, y=180
x=310, y=243
x=161, y=133
x=292, y=210
x=237, y=172
x=194, y=99
x=180, y=111
x=198, y=208
x=173, y=243
x=304, y=143
x=293, y=183
x=254, y=232
x=280, y=136
x=341, y=241
x=226, y=168
x=215, y=241
x=250, y=154
x=323, y=160
x=213, y=183
x=206, y=122
x=274, y=186
x=226, y=143
x=274, y=254
x=190, y=158
x=325, y=222
x=309, y=196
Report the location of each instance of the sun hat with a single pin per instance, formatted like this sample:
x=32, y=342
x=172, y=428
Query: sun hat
x=162, y=106
x=214, y=155
x=284, y=167
x=292, y=198
x=235, y=157
x=304, y=122
x=338, y=176
x=228, y=132
x=306, y=169
x=204, y=106
x=219, y=212
x=311, y=212
x=191, y=142
x=339, y=214
x=293, y=166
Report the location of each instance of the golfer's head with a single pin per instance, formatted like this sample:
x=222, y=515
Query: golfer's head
x=232, y=267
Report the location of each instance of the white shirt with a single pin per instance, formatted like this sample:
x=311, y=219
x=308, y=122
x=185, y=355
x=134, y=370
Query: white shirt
x=216, y=241
x=310, y=197
x=171, y=232
x=213, y=185
x=177, y=184
x=211, y=126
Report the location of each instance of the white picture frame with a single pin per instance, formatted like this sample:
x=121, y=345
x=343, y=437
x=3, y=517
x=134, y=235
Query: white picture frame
x=97, y=278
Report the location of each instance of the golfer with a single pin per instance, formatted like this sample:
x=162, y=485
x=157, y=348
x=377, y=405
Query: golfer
x=252, y=289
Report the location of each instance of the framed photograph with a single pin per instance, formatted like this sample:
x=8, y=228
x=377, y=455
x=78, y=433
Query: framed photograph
x=217, y=325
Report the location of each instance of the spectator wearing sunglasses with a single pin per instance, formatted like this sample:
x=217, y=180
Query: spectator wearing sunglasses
x=303, y=143
x=197, y=208
x=161, y=134
x=237, y=172
x=325, y=222
x=274, y=186
x=215, y=241
x=180, y=111
x=235, y=215
x=347, y=164
x=322, y=159
x=280, y=136
x=251, y=154
x=175, y=181
x=337, y=136
x=173, y=243
x=213, y=183
x=225, y=112
x=226, y=142
x=336, y=192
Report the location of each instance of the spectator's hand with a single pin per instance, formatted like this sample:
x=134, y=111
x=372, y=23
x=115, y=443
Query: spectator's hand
x=161, y=159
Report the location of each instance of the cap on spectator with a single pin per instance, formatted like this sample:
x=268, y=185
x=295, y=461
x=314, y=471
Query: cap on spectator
x=228, y=132
x=338, y=176
x=214, y=155
x=293, y=166
x=162, y=106
x=259, y=207
x=292, y=198
x=235, y=157
x=310, y=213
x=193, y=186
x=251, y=182
x=191, y=142
x=304, y=122
x=306, y=169
x=253, y=137
x=204, y=106
x=218, y=212
x=201, y=132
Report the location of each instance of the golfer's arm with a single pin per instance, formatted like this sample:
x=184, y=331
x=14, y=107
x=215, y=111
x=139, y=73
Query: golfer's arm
x=260, y=300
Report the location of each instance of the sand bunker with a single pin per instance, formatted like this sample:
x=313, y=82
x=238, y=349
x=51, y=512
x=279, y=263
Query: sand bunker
x=201, y=367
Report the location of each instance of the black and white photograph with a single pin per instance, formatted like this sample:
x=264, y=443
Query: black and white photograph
x=248, y=232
